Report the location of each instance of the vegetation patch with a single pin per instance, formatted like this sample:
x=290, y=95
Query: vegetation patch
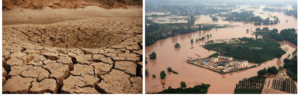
x=213, y=55
x=253, y=85
x=291, y=67
x=198, y=89
x=177, y=45
x=241, y=50
x=285, y=34
x=152, y=55
x=170, y=70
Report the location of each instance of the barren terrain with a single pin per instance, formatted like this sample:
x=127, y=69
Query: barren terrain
x=88, y=55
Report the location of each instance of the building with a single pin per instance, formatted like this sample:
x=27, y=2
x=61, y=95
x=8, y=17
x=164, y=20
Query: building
x=220, y=65
x=225, y=57
x=205, y=62
x=242, y=63
x=233, y=63
x=239, y=64
x=214, y=59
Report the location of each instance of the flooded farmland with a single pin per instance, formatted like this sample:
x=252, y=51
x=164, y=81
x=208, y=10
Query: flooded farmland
x=168, y=56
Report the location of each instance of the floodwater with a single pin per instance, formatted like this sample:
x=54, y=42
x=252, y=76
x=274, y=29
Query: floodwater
x=168, y=56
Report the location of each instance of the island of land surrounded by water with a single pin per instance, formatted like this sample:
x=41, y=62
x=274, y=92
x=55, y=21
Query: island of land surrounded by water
x=205, y=26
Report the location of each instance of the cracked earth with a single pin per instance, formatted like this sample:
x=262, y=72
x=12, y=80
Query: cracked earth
x=86, y=56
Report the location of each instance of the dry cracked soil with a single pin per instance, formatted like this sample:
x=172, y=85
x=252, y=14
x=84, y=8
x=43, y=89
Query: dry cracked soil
x=86, y=56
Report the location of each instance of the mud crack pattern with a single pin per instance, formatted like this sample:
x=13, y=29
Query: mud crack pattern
x=88, y=56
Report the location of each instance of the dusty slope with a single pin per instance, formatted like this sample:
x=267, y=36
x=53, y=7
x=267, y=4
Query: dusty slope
x=40, y=4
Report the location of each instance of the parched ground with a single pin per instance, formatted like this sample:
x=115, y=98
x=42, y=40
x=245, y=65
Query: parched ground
x=90, y=56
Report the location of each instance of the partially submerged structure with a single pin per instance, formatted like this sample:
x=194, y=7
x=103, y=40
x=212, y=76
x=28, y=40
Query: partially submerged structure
x=221, y=64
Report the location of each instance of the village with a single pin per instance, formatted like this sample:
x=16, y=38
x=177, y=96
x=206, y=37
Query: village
x=221, y=64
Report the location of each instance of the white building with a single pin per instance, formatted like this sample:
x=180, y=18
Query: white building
x=225, y=57
x=239, y=64
x=214, y=59
x=242, y=63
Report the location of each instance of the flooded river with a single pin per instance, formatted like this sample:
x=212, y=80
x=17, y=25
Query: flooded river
x=168, y=56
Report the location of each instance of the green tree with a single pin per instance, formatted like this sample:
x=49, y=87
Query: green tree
x=153, y=76
x=256, y=35
x=163, y=75
x=146, y=72
x=273, y=70
x=274, y=30
x=280, y=68
x=247, y=30
x=152, y=55
x=192, y=41
x=257, y=29
x=265, y=29
x=182, y=84
x=177, y=45
x=262, y=72
x=169, y=69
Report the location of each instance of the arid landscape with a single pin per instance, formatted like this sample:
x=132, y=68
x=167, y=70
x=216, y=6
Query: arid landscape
x=72, y=46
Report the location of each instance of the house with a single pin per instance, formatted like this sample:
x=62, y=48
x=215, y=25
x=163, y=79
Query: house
x=242, y=63
x=214, y=59
x=233, y=63
x=225, y=57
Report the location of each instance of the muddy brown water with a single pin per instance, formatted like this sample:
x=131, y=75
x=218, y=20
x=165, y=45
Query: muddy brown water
x=168, y=56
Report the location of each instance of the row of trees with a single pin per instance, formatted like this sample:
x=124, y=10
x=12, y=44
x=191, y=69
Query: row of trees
x=286, y=34
x=291, y=67
x=286, y=85
x=162, y=73
x=250, y=85
x=198, y=89
x=199, y=39
x=270, y=70
x=155, y=31
x=248, y=16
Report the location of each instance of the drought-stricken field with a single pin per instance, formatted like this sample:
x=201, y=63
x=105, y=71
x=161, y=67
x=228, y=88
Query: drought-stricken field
x=88, y=55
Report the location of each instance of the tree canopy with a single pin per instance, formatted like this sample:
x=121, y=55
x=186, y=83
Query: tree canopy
x=163, y=75
x=152, y=55
x=177, y=45
x=272, y=70
x=146, y=72
x=182, y=84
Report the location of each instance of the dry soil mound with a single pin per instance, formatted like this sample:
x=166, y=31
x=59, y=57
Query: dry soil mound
x=39, y=4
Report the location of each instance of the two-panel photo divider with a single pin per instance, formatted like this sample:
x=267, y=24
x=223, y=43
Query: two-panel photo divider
x=149, y=47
